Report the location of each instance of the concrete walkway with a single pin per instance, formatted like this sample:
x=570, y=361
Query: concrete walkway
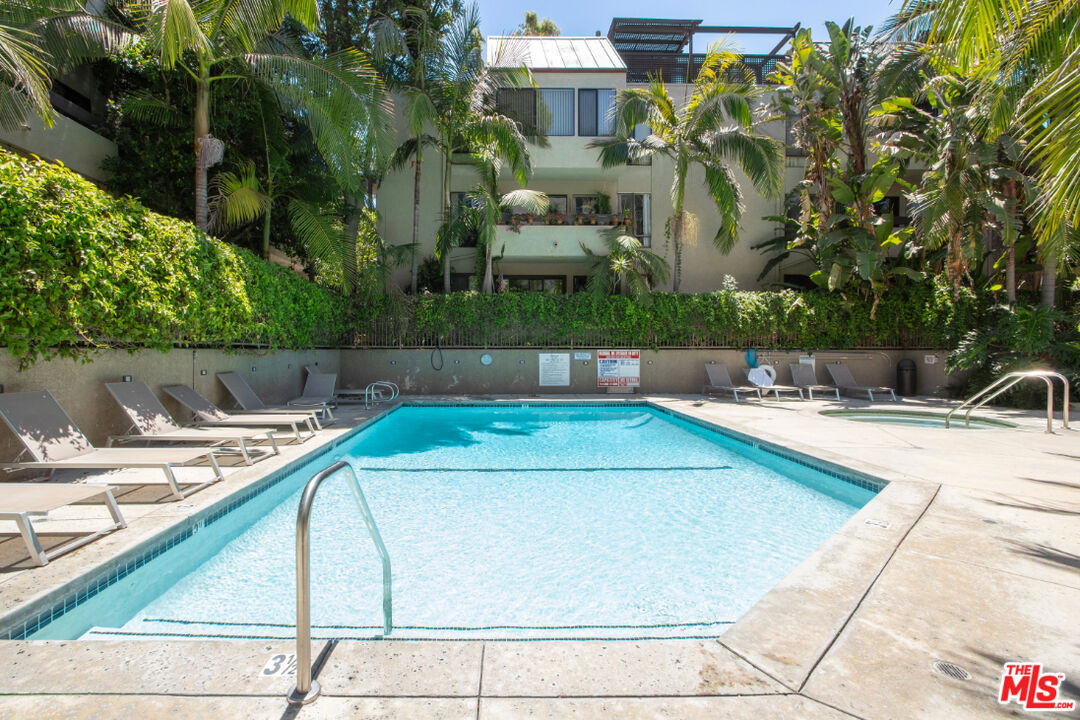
x=970, y=556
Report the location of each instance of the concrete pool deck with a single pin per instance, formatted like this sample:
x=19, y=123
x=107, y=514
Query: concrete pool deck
x=970, y=556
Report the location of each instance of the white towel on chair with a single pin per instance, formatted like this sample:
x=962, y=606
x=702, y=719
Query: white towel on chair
x=761, y=376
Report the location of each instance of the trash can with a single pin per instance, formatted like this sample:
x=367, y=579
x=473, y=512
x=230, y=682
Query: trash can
x=905, y=377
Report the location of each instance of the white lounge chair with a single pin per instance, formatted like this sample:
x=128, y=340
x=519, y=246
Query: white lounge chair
x=803, y=375
x=20, y=501
x=375, y=393
x=210, y=415
x=846, y=382
x=153, y=423
x=719, y=380
x=54, y=442
x=773, y=388
x=252, y=404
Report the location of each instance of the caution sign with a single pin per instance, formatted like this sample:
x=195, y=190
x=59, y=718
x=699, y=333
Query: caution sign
x=618, y=368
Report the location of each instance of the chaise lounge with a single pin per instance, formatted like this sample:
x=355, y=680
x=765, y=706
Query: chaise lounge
x=251, y=404
x=210, y=415
x=846, y=382
x=20, y=501
x=153, y=423
x=803, y=375
x=54, y=442
x=720, y=380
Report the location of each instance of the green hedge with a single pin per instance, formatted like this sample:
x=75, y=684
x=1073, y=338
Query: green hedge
x=80, y=269
x=923, y=316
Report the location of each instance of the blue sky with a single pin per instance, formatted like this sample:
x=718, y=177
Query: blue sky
x=578, y=17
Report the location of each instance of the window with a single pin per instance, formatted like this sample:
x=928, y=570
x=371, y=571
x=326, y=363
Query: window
x=585, y=204
x=581, y=283
x=556, y=111
x=553, y=284
x=595, y=112
x=637, y=206
x=557, y=204
x=519, y=105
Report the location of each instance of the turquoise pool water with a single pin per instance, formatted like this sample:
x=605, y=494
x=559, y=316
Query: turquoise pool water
x=501, y=522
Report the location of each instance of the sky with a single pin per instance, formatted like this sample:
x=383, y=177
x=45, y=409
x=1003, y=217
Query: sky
x=575, y=17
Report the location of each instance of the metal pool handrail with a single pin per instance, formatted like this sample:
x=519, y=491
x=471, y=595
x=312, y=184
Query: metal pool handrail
x=306, y=689
x=1005, y=382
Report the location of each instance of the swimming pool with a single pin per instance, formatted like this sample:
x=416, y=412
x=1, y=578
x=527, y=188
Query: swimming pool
x=502, y=523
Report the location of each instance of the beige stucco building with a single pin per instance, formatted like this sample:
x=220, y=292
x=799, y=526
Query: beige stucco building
x=576, y=82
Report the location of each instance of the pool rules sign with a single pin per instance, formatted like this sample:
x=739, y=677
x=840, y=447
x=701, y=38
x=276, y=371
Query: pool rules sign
x=618, y=368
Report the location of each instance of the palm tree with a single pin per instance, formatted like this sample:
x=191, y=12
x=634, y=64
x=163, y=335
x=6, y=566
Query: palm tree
x=1030, y=46
x=213, y=40
x=713, y=128
x=490, y=204
x=467, y=116
x=628, y=268
x=39, y=40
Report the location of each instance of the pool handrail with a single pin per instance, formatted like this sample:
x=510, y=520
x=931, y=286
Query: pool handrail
x=307, y=689
x=1007, y=381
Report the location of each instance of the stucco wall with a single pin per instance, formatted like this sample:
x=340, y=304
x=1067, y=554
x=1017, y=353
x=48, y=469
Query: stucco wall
x=673, y=371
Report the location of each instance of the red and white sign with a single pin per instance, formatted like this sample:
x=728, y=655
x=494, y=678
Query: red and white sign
x=1033, y=689
x=618, y=368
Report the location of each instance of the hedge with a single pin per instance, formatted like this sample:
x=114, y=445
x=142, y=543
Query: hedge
x=920, y=316
x=80, y=269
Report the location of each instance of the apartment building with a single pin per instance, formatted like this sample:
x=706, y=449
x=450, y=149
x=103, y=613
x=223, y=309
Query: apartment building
x=577, y=79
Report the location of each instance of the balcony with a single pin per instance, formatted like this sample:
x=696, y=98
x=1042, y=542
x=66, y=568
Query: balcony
x=541, y=241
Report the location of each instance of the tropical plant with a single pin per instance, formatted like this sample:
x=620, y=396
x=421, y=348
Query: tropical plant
x=713, y=129
x=1023, y=57
x=533, y=25
x=628, y=268
x=490, y=204
x=827, y=90
x=974, y=184
x=467, y=115
x=40, y=40
x=339, y=97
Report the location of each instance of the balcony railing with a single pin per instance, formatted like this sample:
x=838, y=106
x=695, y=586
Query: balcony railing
x=683, y=68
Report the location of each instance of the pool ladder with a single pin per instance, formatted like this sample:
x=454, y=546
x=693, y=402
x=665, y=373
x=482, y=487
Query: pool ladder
x=1008, y=380
x=306, y=689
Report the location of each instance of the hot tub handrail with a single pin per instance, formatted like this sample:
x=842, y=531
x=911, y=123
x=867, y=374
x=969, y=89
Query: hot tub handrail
x=1007, y=381
x=306, y=689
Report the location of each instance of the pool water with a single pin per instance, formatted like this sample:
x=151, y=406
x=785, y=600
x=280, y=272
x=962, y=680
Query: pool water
x=501, y=522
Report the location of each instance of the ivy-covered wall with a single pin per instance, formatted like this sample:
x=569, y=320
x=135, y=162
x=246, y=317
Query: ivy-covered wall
x=81, y=269
x=925, y=316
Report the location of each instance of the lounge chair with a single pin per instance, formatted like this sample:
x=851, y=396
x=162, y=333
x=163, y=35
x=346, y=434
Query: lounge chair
x=376, y=392
x=153, y=423
x=19, y=501
x=318, y=392
x=844, y=380
x=54, y=442
x=210, y=415
x=803, y=376
x=720, y=380
x=774, y=388
x=252, y=404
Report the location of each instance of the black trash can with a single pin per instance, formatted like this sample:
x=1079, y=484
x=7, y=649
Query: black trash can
x=905, y=377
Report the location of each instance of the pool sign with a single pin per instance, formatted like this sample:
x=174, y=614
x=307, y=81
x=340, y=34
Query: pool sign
x=618, y=368
x=554, y=369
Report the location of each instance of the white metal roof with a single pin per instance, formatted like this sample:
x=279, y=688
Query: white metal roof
x=554, y=53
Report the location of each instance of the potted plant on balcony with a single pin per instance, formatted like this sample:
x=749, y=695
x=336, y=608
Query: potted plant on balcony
x=627, y=218
x=556, y=219
x=515, y=222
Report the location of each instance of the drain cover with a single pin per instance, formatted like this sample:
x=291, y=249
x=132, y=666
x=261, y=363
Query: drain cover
x=954, y=671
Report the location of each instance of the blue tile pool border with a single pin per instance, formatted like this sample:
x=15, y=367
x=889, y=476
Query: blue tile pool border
x=25, y=621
